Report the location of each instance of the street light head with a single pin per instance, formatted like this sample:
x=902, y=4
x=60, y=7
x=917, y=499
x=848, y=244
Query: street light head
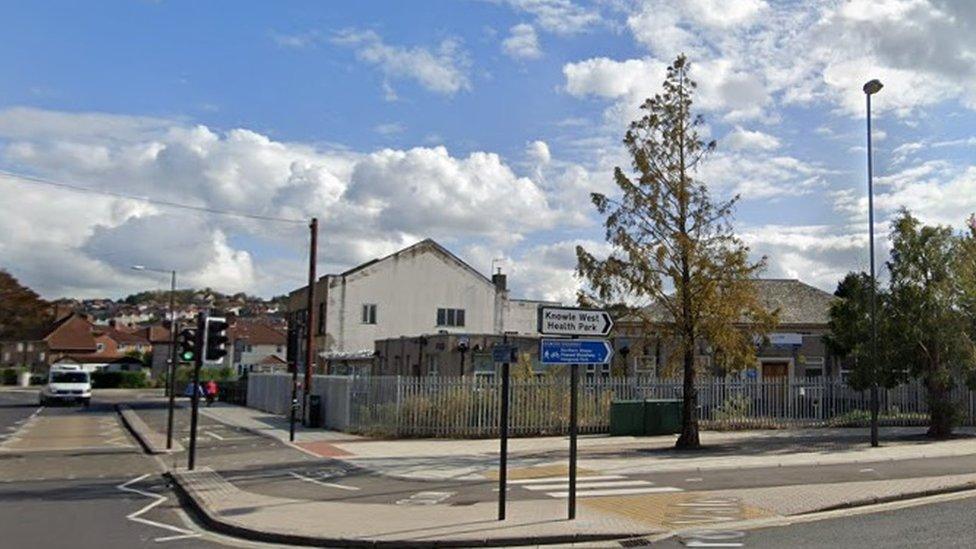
x=873, y=86
x=138, y=267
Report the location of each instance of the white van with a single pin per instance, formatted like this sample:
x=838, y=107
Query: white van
x=67, y=383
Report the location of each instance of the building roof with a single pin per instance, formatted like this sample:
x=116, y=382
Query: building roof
x=798, y=303
x=256, y=332
x=425, y=244
x=97, y=358
x=121, y=337
x=71, y=333
x=272, y=360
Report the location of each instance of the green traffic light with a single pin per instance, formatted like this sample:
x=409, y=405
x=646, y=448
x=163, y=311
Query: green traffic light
x=187, y=356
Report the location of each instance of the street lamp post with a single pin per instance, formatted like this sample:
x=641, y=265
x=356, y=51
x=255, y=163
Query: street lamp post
x=171, y=371
x=870, y=88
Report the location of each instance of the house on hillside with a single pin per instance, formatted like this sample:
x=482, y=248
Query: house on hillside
x=421, y=290
x=795, y=348
x=73, y=339
x=253, y=342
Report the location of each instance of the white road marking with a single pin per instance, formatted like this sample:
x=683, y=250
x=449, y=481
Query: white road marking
x=182, y=533
x=866, y=470
x=562, y=479
x=617, y=492
x=694, y=479
x=425, y=498
x=584, y=485
x=320, y=483
x=214, y=435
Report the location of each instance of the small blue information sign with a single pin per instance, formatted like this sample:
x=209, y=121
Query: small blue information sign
x=575, y=351
x=501, y=353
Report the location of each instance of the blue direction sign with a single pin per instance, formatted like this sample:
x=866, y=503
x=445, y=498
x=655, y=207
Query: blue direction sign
x=575, y=351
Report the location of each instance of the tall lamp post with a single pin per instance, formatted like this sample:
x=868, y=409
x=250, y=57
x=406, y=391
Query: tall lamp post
x=870, y=88
x=171, y=371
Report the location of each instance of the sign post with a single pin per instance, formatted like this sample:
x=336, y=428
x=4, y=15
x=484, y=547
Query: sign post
x=574, y=323
x=503, y=353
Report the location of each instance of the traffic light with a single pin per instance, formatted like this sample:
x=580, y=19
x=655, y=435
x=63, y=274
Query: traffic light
x=186, y=343
x=216, y=339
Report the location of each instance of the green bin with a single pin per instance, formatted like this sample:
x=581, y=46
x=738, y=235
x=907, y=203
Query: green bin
x=627, y=418
x=662, y=416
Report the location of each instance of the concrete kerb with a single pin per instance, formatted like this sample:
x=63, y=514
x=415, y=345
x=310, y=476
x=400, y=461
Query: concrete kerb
x=148, y=438
x=212, y=521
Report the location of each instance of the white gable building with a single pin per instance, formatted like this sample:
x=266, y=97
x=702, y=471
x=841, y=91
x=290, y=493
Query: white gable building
x=423, y=289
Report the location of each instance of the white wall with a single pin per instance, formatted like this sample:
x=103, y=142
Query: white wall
x=522, y=316
x=407, y=290
x=257, y=354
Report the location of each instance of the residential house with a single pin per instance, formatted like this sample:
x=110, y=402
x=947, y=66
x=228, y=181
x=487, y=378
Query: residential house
x=795, y=348
x=423, y=289
x=73, y=339
x=252, y=342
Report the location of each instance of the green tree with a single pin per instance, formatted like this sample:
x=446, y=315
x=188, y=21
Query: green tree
x=674, y=246
x=928, y=296
x=849, y=335
x=22, y=312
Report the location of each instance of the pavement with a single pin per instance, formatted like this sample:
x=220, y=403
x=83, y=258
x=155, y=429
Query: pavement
x=251, y=481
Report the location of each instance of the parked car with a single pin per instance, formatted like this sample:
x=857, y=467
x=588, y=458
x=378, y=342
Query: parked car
x=66, y=384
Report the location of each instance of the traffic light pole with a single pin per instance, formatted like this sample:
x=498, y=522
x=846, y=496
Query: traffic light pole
x=201, y=337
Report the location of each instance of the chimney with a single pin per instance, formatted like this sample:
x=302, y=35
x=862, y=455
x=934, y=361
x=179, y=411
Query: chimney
x=500, y=281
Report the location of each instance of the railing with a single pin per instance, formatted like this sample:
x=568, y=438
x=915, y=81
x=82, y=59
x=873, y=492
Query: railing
x=468, y=406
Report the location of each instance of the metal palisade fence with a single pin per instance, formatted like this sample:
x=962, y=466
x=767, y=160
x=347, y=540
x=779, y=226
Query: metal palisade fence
x=468, y=407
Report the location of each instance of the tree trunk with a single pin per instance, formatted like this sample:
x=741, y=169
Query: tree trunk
x=941, y=407
x=689, y=416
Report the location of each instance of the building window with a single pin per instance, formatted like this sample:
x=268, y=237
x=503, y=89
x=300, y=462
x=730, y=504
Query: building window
x=814, y=366
x=20, y=347
x=433, y=368
x=40, y=356
x=99, y=347
x=450, y=317
x=321, y=319
x=369, y=313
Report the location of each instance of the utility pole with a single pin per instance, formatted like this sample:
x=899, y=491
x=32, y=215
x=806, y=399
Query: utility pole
x=310, y=316
x=503, y=428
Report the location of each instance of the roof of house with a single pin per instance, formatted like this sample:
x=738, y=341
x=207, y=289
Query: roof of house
x=121, y=337
x=797, y=302
x=425, y=244
x=256, y=332
x=71, y=333
x=273, y=360
x=97, y=358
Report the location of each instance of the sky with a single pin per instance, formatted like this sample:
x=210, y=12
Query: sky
x=484, y=125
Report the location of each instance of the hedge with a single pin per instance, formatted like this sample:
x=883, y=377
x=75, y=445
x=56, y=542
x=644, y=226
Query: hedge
x=119, y=380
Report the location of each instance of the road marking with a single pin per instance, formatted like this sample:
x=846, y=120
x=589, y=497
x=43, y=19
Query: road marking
x=866, y=470
x=182, y=533
x=562, y=479
x=214, y=435
x=617, y=492
x=425, y=498
x=585, y=485
x=320, y=483
x=694, y=479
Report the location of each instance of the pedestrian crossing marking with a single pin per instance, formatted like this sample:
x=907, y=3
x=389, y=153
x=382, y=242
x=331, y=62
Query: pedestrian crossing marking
x=589, y=484
x=617, y=492
x=550, y=480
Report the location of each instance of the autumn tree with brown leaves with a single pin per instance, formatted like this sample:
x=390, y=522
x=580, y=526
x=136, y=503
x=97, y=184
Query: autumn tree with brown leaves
x=673, y=245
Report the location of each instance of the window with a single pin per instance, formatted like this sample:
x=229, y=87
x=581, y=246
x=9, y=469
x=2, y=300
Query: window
x=321, y=319
x=99, y=347
x=20, y=347
x=369, y=313
x=450, y=317
x=814, y=367
x=433, y=368
x=40, y=356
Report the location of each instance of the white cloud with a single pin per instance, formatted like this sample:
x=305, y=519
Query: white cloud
x=558, y=16
x=522, y=43
x=390, y=128
x=817, y=254
x=367, y=204
x=741, y=139
x=443, y=70
x=538, y=152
